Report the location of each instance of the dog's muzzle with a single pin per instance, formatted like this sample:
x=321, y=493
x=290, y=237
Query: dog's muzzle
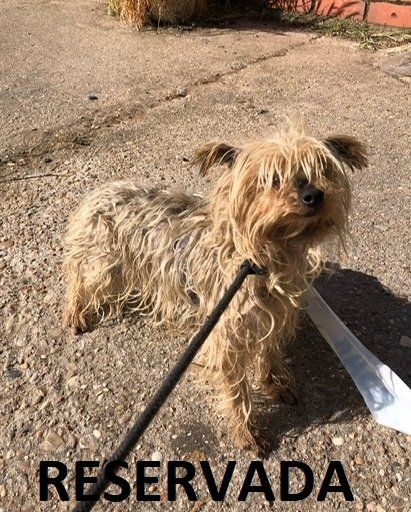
x=311, y=197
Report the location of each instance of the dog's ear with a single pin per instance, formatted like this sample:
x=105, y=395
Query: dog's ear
x=214, y=154
x=348, y=149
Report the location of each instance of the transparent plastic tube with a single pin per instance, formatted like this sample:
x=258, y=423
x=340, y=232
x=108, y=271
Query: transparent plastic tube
x=386, y=395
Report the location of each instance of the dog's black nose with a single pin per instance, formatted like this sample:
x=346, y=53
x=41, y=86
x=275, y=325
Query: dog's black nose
x=312, y=197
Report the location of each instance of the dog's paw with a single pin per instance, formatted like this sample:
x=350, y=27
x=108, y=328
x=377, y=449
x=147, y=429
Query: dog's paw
x=244, y=438
x=76, y=330
x=251, y=440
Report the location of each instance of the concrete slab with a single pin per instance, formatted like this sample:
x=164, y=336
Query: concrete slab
x=160, y=95
x=399, y=64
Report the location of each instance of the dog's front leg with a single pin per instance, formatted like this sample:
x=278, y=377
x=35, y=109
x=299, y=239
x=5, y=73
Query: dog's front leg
x=225, y=360
x=235, y=399
x=275, y=379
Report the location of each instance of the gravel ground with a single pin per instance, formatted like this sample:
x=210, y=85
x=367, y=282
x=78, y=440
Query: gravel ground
x=158, y=96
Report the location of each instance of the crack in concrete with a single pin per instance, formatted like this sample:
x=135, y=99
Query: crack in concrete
x=77, y=135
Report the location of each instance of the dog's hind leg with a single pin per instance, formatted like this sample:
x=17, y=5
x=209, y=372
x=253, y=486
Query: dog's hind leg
x=93, y=293
x=98, y=264
x=84, y=297
x=76, y=314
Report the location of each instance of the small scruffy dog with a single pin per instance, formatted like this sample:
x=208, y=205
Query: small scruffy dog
x=171, y=255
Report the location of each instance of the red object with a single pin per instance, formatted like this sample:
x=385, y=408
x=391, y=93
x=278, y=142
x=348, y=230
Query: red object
x=341, y=8
x=389, y=14
x=379, y=13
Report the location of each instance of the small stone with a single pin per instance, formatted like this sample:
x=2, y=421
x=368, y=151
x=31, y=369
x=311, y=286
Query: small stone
x=37, y=397
x=48, y=298
x=2, y=491
x=22, y=466
x=181, y=92
x=71, y=441
x=44, y=405
x=10, y=321
x=152, y=488
x=56, y=333
x=14, y=373
x=53, y=441
x=156, y=456
x=34, y=377
x=124, y=418
x=359, y=460
x=2, y=265
x=10, y=454
x=47, y=160
x=337, y=441
x=405, y=341
x=196, y=456
x=6, y=244
x=92, y=97
x=198, y=505
x=97, y=434
x=87, y=443
x=73, y=382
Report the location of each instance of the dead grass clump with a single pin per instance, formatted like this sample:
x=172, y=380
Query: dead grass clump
x=141, y=12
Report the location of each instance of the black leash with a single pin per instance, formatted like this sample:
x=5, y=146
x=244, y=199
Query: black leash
x=167, y=386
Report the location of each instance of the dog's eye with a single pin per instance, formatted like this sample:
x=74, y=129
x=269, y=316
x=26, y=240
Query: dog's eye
x=276, y=182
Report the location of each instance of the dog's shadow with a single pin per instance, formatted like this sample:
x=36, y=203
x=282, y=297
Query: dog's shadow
x=326, y=393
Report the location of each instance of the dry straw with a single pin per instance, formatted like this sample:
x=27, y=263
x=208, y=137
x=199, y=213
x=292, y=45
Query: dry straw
x=141, y=12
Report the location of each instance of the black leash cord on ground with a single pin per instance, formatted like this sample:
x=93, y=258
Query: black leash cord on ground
x=169, y=383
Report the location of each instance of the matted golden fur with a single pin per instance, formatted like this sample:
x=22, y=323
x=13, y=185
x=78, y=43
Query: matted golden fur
x=170, y=255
